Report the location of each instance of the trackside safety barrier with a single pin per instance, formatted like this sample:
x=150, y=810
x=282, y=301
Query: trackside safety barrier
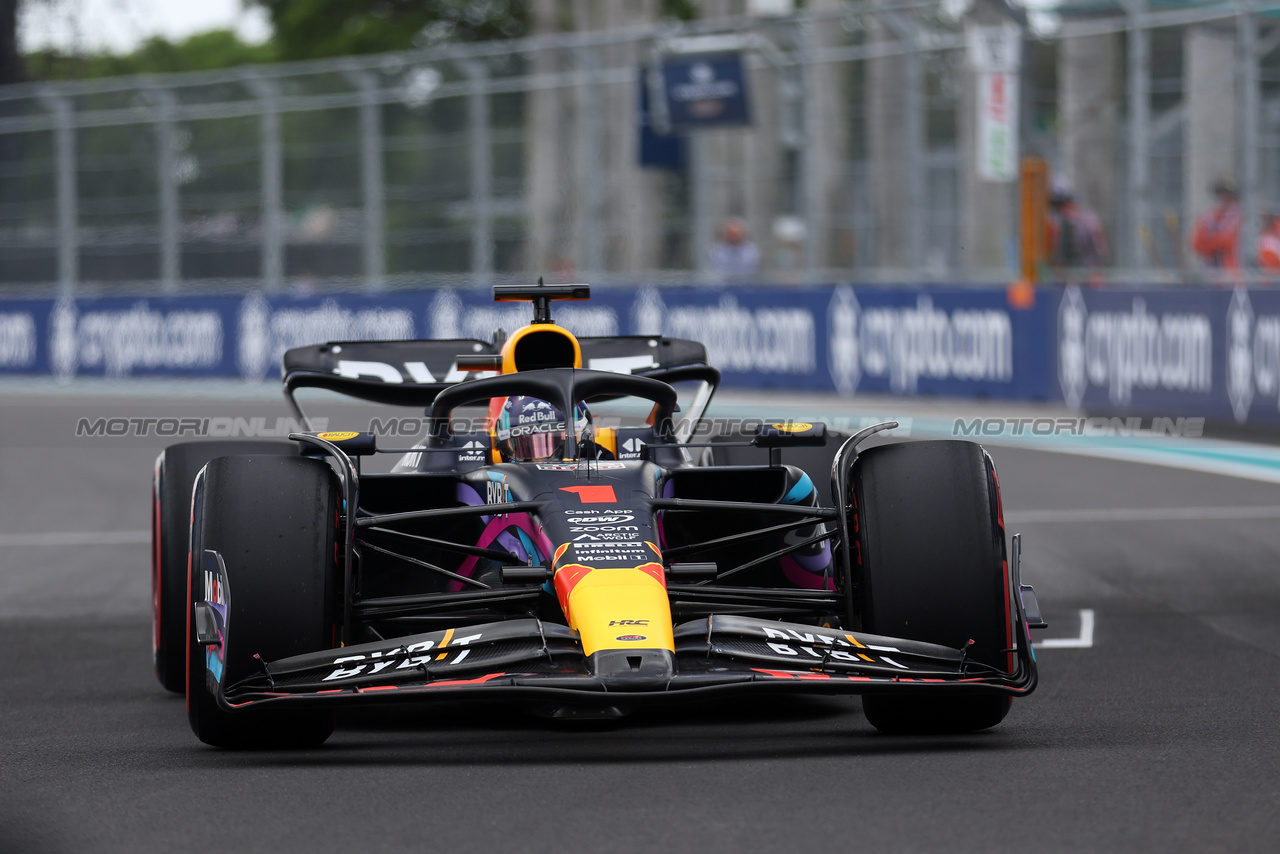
x=1212, y=352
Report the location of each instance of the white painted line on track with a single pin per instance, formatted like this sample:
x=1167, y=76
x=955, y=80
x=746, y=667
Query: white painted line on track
x=76, y=538
x=1142, y=514
x=1084, y=641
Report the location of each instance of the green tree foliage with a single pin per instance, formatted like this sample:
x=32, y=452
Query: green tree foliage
x=310, y=29
x=201, y=52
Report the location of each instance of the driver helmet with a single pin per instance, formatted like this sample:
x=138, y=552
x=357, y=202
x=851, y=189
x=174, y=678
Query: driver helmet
x=529, y=429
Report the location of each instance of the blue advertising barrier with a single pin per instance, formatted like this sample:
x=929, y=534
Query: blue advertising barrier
x=1204, y=351
x=939, y=341
x=1212, y=352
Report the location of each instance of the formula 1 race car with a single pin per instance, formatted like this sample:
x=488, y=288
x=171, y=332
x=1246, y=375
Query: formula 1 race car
x=536, y=555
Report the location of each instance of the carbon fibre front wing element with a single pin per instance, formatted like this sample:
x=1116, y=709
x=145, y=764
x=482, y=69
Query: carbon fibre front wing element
x=530, y=659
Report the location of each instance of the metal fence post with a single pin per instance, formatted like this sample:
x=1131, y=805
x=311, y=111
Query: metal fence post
x=591, y=207
x=1247, y=24
x=906, y=32
x=481, y=173
x=699, y=205
x=1139, y=73
x=272, y=204
x=371, y=179
x=167, y=190
x=808, y=192
x=917, y=167
x=64, y=149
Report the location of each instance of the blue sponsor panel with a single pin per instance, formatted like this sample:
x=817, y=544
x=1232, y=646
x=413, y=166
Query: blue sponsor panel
x=188, y=336
x=1212, y=352
x=705, y=90
x=946, y=342
x=115, y=337
x=1251, y=354
x=1157, y=352
x=757, y=337
x=139, y=337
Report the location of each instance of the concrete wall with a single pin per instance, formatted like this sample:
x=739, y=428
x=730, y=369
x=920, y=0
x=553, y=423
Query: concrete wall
x=1210, y=129
x=1090, y=91
x=583, y=165
x=887, y=149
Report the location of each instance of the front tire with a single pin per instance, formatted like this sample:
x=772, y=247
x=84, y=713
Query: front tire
x=274, y=521
x=931, y=567
x=174, y=475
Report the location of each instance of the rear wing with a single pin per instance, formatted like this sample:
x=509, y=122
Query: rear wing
x=400, y=373
x=413, y=373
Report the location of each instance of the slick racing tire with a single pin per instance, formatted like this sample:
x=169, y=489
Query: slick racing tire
x=274, y=520
x=931, y=567
x=175, y=473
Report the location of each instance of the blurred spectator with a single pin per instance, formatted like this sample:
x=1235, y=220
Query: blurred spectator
x=1217, y=231
x=1269, y=245
x=317, y=224
x=1076, y=238
x=734, y=258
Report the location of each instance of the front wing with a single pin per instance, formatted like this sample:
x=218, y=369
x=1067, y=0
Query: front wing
x=531, y=660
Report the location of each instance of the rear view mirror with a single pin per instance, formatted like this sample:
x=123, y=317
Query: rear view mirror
x=790, y=434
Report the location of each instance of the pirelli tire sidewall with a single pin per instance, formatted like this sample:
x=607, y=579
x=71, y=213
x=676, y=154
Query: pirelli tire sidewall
x=274, y=520
x=174, y=475
x=930, y=566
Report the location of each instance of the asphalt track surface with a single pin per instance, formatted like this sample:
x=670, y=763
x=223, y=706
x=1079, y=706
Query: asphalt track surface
x=1163, y=735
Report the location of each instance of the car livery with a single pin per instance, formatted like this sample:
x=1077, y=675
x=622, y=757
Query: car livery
x=637, y=567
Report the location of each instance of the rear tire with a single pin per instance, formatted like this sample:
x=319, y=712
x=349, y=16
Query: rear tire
x=274, y=521
x=175, y=473
x=931, y=567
